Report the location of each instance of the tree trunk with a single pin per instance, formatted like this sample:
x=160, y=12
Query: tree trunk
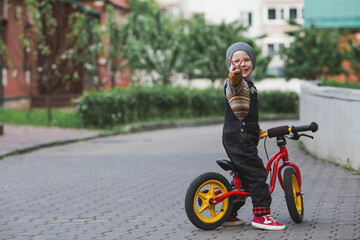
x=48, y=97
x=48, y=107
x=113, y=74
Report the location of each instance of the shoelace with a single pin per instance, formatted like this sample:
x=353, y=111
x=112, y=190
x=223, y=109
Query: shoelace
x=270, y=218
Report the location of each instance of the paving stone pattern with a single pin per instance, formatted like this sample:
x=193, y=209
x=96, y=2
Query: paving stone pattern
x=133, y=187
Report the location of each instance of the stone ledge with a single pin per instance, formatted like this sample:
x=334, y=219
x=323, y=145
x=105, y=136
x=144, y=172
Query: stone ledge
x=347, y=94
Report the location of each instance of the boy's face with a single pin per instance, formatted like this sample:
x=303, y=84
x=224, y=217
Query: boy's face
x=246, y=66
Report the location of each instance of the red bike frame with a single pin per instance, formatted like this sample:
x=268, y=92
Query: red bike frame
x=274, y=161
x=282, y=154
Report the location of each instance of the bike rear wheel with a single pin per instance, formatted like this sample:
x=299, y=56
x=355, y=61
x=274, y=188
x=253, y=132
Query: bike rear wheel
x=198, y=198
x=294, y=198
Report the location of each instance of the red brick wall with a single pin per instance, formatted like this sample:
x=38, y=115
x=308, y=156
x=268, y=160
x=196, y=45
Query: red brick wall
x=18, y=63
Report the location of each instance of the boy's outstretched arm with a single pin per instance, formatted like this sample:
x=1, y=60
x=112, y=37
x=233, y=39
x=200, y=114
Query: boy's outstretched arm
x=235, y=73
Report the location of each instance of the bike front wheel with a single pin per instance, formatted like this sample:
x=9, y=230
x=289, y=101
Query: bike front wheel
x=294, y=198
x=198, y=199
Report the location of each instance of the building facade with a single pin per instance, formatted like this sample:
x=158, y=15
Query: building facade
x=275, y=18
x=20, y=87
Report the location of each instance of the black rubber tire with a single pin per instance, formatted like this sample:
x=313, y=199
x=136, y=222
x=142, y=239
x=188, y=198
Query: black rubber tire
x=222, y=210
x=294, y=199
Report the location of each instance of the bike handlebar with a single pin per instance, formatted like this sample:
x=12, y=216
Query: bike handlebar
x=284, y=130
x=312, y=127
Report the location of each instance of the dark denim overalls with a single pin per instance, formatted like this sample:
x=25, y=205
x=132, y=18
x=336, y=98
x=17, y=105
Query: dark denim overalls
x=240, y=139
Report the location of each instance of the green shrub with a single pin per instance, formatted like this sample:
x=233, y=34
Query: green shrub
x=121, y=106
x=276, y=101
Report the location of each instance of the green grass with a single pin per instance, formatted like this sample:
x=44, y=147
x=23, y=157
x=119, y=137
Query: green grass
x=38, y=117
x=331, y=83
x=68, y=119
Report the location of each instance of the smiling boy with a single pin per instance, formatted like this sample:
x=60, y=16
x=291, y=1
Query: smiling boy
x=241, y=136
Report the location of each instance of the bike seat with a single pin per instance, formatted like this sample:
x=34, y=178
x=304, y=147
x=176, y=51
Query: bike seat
x=226, y=165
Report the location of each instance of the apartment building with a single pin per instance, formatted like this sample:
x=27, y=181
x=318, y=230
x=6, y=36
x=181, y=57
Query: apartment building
x=275, y=18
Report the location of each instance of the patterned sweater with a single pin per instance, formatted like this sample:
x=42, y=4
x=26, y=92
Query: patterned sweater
x=238, y=95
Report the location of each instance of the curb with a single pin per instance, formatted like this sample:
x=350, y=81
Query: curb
x=136, y=128
x=171, y=124
x=192, y=123
x=45, y=145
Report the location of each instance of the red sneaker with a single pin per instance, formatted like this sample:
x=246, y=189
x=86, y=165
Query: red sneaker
x=267, y=222
x=232, y=221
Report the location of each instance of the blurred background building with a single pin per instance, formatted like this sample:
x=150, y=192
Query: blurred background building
x=267, y=22
x=17, y=63
x=268, y=18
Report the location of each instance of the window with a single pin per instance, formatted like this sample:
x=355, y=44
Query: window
x=293, y=13
x=282, y=14
x=271, y=49
x=28, y=77
x=271, y=13
x=120, y=14
x=5, y=10
x=3, y=38
x=4, y=77
x=281, y=46
x=246, y=18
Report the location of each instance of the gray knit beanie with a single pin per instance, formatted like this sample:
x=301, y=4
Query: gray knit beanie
x=240, y=46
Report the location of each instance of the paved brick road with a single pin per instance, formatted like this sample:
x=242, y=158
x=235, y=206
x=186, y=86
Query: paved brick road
x=133, y=187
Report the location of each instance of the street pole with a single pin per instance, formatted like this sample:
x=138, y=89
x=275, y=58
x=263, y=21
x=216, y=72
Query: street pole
x=1, y=58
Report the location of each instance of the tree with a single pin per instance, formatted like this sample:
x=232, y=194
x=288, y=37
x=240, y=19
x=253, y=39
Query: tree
x=153, y=42
x=114, y=39
x=352, y=53
x=205, y=47
x=60, y=44
x=84, y=45
x=313, y=54
x=162, y=45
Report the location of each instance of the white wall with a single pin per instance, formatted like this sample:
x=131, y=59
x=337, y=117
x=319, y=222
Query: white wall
x=337, y=112
x=227, y=10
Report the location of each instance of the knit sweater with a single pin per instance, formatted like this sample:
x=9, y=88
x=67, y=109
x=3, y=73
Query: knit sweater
x=238, y=95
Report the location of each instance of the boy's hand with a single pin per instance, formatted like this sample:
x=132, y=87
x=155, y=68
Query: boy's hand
x=235, y=68
x=261, y=132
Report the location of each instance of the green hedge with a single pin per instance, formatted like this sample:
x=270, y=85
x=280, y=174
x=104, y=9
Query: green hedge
x=277, y=101
x=119, y=106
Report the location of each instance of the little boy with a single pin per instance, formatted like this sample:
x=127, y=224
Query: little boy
x=241, y=135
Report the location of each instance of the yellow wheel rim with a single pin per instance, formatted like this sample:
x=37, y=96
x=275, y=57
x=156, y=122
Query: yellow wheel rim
x=297, y=194
x=202, y=207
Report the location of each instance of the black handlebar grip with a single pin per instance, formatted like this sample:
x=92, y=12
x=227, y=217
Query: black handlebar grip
x=312, y=127
x=278, y=131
